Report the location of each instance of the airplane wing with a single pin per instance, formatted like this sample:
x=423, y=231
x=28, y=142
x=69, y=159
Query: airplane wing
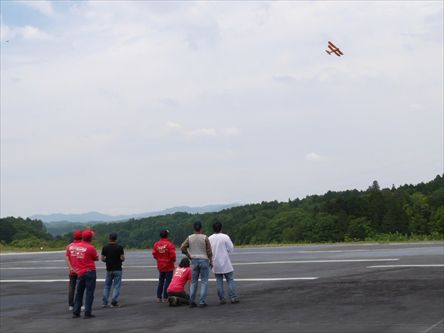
x=332, y=48
x=339, y=51
x=332, y=45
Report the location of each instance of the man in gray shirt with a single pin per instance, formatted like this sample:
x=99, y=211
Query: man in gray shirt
x=197, y=247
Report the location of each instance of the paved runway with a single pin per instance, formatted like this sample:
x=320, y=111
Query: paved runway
x=312, y=288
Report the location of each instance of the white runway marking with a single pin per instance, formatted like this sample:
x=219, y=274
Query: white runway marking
x=433, y=326
x=234, y=264
x=311, y=261
x=23, y=253
x=394, y=266
x=157, y=280
x=331, y=251
x=302, y=251
x=40, y=261
x=65, y=267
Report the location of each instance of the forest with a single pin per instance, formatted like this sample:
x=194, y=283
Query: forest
x=409, y=212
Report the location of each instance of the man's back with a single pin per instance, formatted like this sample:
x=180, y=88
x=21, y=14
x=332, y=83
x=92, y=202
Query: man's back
x=221, y=246
x=113, y=256
x=198, y=246
x=86, y=255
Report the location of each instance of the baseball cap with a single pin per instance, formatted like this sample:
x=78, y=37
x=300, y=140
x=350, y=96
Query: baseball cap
x=77, y=234
x=87, y=234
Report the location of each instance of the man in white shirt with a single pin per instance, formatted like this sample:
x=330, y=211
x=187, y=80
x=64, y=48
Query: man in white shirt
x=221, y=247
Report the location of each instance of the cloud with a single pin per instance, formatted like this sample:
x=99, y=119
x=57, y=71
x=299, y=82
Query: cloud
x=231, y=131
x=27, y=32
x=203, y=132
x=44, y=7
x=33, y=33
x=314, y=157
x=173, y=125
x=5, y=32
x=416, y=106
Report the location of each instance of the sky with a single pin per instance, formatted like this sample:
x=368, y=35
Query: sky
x=126, y=107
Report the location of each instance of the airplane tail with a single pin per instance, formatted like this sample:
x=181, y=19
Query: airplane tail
x=329, y=52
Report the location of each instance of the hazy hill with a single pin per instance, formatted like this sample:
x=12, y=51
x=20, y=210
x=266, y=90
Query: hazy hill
x=59, y=220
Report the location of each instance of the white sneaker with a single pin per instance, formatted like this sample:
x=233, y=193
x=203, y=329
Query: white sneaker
x=71, y=308
x=82, y=308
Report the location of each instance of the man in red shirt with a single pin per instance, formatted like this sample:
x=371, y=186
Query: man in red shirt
x=84, y=265
x=164, y=252
x=69, y=257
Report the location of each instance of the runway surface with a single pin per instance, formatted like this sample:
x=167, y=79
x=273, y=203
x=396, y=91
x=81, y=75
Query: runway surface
x=312, y=288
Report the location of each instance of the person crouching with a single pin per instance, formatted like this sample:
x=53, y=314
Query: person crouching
x=181, y=278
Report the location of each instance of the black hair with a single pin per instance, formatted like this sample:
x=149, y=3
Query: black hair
x=217, y=227
x=113, y=237
x=185, y=262
x=197, y=226
x=164, y=234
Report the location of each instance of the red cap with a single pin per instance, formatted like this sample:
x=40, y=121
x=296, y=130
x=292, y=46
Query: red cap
x=77, y=234
x=87, y=234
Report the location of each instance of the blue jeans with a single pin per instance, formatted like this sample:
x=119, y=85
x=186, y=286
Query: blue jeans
x=111, y=276
x=85, y=283
x=164, y=282
x=230, y=282
x=199, y=267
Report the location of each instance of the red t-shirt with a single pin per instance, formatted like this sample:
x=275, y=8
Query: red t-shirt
x=164, y=252
x=70, y=253
x=83, y=256
x=180, y=278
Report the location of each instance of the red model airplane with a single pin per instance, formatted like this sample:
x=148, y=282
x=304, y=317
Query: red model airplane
x=334, y=49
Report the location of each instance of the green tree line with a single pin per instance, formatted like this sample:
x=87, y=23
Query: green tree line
x=406, y=212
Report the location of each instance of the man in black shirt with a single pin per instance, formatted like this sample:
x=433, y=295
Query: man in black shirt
x=113, y=256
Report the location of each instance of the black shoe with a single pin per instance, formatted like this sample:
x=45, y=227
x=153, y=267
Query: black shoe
x=75, y=315
x=203, y=305
x=173, y=301
x=234, y=301
x=115, y=305
x=222, y=301
x=89, y=316
x=193, y=305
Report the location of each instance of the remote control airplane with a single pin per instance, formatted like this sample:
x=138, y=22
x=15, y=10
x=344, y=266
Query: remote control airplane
x=333, y=49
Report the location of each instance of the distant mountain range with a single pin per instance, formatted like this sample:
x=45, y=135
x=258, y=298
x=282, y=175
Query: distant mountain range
x=99, y=217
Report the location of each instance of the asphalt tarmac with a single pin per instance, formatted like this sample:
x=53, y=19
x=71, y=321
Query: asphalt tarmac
x=312, y=288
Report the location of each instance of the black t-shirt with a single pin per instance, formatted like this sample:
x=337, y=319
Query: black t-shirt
x=112, y=252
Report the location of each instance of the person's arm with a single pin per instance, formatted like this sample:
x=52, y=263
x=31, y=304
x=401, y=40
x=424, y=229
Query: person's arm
x=184, y=247
x=68, y=263
x=229, y=245
x=209, y=252
x=172, y=252
x=154, y=252
x=68, y=260
x=122, y=255
x=188, y=283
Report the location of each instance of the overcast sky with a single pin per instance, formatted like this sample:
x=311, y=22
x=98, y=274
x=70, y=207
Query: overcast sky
x=128, y=107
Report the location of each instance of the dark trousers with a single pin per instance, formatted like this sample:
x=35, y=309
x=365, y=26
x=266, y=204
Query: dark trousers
x=87, y=285
x=183, y=297
x=164, y=282
x=72, y=289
